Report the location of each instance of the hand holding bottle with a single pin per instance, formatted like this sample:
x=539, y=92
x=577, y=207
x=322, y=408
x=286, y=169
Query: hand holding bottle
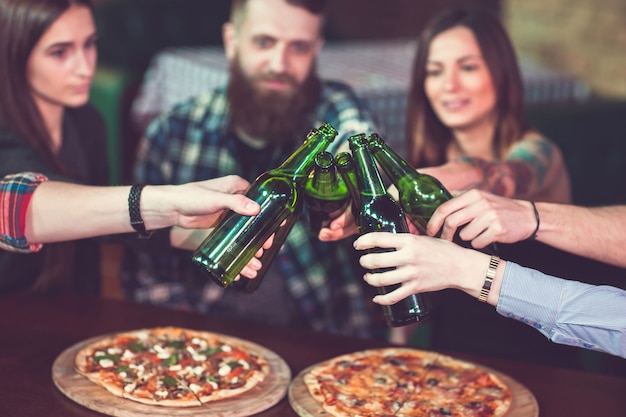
x=380, y=213
x=423, y=264
x=255, y=267
x=236, y=239
x=485, y=217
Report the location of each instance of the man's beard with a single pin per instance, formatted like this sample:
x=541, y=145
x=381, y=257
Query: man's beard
x=272, y=116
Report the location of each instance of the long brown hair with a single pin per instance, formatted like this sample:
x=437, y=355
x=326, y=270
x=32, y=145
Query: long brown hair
x=22, y=24
x=427, y=138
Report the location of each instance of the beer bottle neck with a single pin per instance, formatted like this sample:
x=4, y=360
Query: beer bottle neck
x=369, y=179
x=324, y=177
x=300, y=163
x=392, y=163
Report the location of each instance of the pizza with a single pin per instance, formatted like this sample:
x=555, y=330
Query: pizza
x=171, y=366
x=406, y=382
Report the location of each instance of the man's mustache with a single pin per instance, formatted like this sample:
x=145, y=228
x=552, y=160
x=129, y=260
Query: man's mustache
x=278, y=78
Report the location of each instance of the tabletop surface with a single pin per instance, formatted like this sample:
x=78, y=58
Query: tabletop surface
x=36, y=329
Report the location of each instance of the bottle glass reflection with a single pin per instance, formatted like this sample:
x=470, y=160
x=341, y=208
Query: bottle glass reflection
x=237, y=238
x=325, y=194
x=380, y=213
x=419, y=194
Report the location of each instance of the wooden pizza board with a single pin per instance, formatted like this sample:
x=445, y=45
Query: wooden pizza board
x=86, y=393
x=524, y=403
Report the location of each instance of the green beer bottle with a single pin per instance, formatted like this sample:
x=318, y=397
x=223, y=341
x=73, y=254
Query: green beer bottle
x=236, y=238
x=250, y=285
x=345, y=167
x=380, y=213
x=325, y=194
x=419, y=194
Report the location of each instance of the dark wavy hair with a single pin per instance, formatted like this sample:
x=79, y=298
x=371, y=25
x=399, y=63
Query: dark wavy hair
x=426, y=136
x=22, y=23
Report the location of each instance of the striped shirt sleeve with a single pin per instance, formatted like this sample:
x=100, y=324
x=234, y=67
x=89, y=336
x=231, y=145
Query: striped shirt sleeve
x=565, y=311
x=16, y=191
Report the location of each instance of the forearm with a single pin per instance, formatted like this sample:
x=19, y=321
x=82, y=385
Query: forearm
x=533, y=169
x=62, y=211
x=598, y=233
x=567, y=312
x=504, y=178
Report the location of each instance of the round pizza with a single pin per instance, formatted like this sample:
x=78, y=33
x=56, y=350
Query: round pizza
x=406, y=382
x=171, y=366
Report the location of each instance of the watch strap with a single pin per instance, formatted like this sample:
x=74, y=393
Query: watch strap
x=134, y=211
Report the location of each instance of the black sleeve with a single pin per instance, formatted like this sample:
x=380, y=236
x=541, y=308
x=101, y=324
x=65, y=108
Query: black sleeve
x=18, y=156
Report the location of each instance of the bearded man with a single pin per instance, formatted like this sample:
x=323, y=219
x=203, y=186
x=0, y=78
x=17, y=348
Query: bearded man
x=273, y=99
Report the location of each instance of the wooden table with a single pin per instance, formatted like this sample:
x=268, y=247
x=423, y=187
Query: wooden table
x=34, y=330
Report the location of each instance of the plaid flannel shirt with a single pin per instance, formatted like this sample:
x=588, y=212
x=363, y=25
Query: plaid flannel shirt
x=15, y=193
x=190, y=143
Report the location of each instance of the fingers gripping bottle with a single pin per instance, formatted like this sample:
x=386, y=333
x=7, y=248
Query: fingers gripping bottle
x=237, y=238
x=419, y=194
x=380, y=213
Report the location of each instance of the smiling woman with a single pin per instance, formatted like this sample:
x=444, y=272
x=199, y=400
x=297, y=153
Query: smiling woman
x=465, y=121
x=47, y=62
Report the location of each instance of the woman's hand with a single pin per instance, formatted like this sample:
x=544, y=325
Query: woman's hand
x=420, y=264
x=485, y=218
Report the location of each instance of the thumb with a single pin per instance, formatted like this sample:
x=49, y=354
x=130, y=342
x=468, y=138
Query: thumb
x=239, y=203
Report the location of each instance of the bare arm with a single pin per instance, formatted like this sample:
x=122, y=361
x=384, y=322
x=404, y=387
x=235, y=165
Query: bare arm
x=62, y=211
x=533, y=169
x=595, y=232
x=598, y=232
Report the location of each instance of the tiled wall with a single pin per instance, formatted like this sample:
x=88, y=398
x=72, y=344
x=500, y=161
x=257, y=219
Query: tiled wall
x=586, y=38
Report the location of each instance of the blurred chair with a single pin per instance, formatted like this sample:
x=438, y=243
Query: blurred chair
x=130, y=32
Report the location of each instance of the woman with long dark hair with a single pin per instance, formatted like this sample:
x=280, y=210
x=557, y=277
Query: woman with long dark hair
x=465, y=115
x=47, y=62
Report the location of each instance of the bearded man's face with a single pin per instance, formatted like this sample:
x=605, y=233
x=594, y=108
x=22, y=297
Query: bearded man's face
x=272, y=46
x=275, y=115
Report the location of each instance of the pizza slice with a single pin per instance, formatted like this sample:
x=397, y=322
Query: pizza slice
x=163, y=389
x=223, y=369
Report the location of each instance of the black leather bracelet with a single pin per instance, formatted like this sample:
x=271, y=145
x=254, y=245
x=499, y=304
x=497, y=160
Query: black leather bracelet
x=534, y=235
x=134, y=211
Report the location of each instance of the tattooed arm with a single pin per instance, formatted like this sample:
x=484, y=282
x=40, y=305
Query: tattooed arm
x=533, y=169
